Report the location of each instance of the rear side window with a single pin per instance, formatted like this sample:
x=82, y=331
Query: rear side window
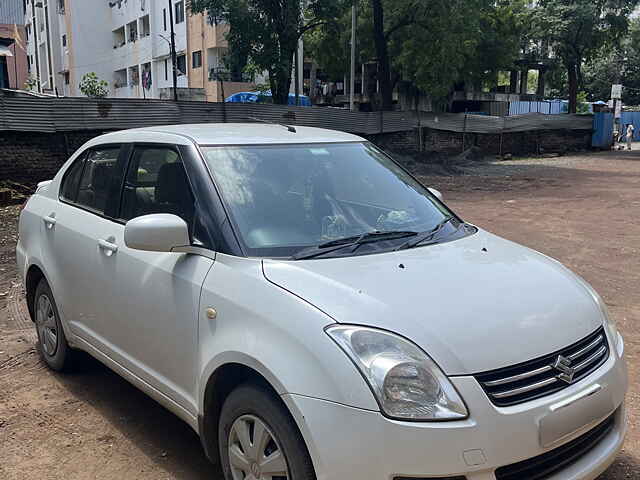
x=69, y=188
x=156, y=182
x=98, y=172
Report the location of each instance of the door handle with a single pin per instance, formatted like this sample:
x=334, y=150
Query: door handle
x=50, y=220
x=107, y=246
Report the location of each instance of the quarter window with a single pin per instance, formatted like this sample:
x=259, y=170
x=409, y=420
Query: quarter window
x=69, y=188
x=156, y=182
x=96, y=178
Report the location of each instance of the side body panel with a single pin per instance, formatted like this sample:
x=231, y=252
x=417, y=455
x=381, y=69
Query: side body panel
x=281, y=336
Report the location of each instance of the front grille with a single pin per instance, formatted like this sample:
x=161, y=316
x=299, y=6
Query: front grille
x=543, y=376
x=545, y=465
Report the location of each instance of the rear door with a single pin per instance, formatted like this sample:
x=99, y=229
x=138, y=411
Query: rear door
x=72, y=229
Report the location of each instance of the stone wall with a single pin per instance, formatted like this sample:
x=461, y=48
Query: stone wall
x=30, y=157
x=514, y=143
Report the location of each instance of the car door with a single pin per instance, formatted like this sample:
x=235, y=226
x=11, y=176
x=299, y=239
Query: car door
x=73, y=227
x=151, y=299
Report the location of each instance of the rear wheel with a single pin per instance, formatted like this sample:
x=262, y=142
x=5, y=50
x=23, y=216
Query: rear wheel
x=52, y=343
x=259, y=440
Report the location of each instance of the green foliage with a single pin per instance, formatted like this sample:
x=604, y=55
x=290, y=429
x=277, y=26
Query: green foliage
x=266, y=33
x=93, y=87
x=577, y=30
x=31, y=83
x=434, y=44
x=616, y=65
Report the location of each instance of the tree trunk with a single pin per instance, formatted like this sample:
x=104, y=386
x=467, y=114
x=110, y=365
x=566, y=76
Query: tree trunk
x=572, y=73
x=384, y=71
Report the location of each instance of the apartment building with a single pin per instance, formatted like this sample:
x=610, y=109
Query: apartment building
x=127, y=43
x=13, y=57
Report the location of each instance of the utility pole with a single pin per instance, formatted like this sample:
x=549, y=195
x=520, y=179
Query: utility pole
x=352, y=83
x=297, y=74
x=174, y=60
x=35, y=42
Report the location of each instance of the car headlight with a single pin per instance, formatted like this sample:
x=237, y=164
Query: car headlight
x=406, y=382
x=608, y=321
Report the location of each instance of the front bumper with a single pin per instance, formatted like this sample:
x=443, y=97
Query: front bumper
x=355, y=444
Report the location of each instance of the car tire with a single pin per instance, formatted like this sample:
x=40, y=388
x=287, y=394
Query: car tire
x=52, y=343
x=258, y=413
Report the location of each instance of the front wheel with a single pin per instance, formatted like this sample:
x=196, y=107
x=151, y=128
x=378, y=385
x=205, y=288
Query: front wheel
x=259, y=440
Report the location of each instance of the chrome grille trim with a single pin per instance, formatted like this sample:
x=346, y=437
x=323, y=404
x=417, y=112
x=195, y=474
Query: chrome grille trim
x=545, y=375
x=586, y=349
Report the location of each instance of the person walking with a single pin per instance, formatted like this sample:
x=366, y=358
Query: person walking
x=630, y=131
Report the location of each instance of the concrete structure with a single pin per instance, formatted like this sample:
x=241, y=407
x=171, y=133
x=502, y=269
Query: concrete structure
x=125, y=42
x=207, y=47
x=13, y=55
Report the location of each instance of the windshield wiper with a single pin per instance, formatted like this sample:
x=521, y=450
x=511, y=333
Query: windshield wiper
x=355, y=241
x=423, y=237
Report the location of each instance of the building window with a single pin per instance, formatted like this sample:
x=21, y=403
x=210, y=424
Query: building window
x=196, y=59
x=64, y=40
x=66, y=78
x=179, y=11
x=166, y=69
x=164, y=18
x=181, y=64
x=133, y=31
x=145, y=27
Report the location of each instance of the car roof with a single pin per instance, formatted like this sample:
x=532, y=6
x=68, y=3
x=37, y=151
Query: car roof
x=231, y=134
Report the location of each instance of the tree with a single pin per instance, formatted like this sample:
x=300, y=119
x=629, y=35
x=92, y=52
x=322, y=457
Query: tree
x=267, y=32
x=93, y=87
x=578, y=30
x=430, y=44
x=618, y=65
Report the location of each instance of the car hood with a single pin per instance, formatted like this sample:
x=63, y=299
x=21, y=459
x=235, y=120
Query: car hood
x=473, y=304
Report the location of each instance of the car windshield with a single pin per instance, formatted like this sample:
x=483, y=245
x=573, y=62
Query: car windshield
x=285, y=198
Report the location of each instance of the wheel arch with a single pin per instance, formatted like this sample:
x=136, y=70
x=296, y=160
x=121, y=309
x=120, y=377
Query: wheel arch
x=220, y=382
x=32, y=278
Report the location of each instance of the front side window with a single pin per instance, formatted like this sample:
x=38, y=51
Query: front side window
x=284, y=198
x=156, y=182
x=97, y=175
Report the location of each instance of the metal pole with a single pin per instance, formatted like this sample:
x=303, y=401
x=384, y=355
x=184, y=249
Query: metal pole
x=36, y=46
x=352, y=84
x=297, y=73
x=15, y=61
x=174, y=59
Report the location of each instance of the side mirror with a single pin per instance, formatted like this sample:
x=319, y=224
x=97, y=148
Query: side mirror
x=435, y=193
x=159, y=232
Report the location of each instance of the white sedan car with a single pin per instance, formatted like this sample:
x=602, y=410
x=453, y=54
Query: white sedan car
x=314, y=312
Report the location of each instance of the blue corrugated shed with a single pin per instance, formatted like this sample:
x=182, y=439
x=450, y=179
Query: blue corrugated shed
x=548, y=107
x=633, y=118
x=602, y=130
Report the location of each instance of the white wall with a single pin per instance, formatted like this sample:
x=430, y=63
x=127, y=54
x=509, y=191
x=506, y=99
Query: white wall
x=91, y=40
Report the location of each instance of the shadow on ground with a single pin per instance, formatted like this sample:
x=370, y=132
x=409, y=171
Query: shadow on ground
x=162, y=436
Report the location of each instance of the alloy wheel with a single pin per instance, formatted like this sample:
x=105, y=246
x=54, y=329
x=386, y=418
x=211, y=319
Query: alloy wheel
x=254, y=451
x=46, y=325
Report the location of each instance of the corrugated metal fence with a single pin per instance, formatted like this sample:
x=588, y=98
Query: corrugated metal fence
x=73, y=114
x=24, y=113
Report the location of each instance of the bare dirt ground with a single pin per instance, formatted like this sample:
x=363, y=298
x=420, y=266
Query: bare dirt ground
x=582, y=210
